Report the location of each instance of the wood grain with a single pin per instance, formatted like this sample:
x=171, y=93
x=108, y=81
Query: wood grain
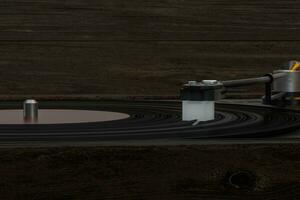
x=132, y=68
x=149, y=20
x=149, y=172
x=140, y=47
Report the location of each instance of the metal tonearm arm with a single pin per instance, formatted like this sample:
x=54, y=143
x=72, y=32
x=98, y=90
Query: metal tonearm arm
x=266, y=79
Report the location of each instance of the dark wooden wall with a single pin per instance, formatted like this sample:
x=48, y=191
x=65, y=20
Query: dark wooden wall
x=151, y=172
x=140, y=47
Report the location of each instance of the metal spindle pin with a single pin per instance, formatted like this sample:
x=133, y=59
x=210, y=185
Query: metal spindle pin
x=30, y=111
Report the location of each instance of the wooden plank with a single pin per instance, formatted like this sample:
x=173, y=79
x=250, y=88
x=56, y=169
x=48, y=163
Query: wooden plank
x=132, y=68
x=150, y=172
x=149, y=20
x=140, y=47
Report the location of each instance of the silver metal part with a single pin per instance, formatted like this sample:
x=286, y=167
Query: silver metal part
x=191, y=83
x=30, y=111
x=210, y=82
x=288, y=83
x=198, y=110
